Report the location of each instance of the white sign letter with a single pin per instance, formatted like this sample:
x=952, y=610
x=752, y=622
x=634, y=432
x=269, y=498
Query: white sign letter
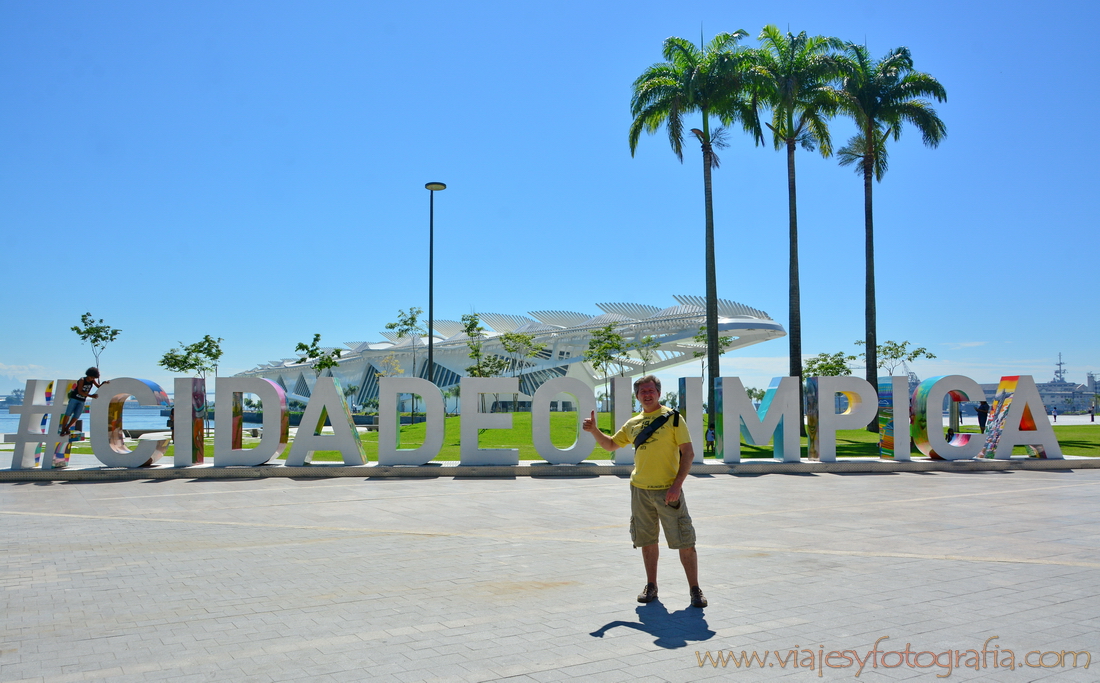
x=389, y=428
x=474, y=420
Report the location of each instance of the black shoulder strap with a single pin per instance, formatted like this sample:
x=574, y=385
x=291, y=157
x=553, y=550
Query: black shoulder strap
x=644, y=435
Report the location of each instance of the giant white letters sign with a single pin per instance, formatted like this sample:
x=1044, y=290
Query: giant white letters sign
x=1012, y=421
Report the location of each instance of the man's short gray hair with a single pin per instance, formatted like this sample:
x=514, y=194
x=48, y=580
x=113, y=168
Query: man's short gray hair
x=646, y=379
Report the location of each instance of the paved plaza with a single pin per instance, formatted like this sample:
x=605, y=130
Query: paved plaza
x=534, y=579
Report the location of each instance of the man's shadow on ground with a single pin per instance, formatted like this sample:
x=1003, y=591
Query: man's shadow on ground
x=671, y=630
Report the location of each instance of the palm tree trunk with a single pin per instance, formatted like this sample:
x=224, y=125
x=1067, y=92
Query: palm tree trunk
x=795, y=315
x=712, y=288
x=870, y=310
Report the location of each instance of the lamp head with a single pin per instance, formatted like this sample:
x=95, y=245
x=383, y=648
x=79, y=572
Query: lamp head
x=435, y=186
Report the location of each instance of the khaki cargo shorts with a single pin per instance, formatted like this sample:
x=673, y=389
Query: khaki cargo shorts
x=647, y=507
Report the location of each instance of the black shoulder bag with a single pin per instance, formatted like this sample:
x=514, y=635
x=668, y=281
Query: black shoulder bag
x=644, y=435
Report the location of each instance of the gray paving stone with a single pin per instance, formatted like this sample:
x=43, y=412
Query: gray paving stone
x=451, y=579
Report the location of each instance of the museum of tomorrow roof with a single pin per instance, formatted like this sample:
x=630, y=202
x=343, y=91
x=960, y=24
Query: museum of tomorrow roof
x=565, y=335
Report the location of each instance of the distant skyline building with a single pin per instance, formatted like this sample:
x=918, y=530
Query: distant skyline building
x=566, y=335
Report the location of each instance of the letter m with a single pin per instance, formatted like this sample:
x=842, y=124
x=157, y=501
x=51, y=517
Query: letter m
x=777, y=416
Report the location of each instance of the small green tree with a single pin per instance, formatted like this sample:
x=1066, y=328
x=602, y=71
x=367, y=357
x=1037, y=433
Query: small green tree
x=408, y=325
x=647, y=350
x=828, y=365
x=672, y=399
x=485, y=365
x=317, y=358
x=891, y=354
x=96, y=334
x=200, y=358
x=389, y=366
x=724, y=344
x=604, y=349
x=520, y=346
x=755, y=394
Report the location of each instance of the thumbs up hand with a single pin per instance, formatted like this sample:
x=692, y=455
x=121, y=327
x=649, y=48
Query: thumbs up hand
x=589, y=424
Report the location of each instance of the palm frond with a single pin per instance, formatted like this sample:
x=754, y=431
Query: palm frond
x=856, y=152
x=718, y=138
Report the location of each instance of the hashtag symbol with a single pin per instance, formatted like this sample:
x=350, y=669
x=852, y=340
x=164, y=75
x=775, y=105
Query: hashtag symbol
x=31, y=415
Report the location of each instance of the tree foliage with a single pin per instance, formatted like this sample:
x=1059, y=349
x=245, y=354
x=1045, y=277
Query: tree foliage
x=318, y=359
x=95, y=333
x=828, y=365
x=646, y=347
x=701, y=337
x=605, y=349
x=520, y=346
x=408, y=325
x=390, y=366
x=485, y=365
x=891, y=354
x=200, y=358
x=755, y=394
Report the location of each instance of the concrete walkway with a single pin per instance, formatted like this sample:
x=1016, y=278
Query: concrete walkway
x=533, y=579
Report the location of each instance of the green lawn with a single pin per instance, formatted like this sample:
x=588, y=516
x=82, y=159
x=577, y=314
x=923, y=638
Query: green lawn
x=1075, y=440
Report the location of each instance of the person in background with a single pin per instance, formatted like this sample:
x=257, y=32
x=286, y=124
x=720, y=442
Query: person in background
x=983, y=414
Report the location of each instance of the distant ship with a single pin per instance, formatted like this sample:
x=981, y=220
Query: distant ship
x=1066, y=396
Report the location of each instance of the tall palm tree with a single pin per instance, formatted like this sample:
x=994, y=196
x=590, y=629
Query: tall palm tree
x=880, y=97
x=708, y=80
x=795, y=75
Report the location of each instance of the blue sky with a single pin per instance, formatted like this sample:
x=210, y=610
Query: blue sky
x=255, y=171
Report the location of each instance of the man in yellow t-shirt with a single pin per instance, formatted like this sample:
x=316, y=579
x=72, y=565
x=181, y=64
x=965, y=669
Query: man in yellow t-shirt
x=661, y=464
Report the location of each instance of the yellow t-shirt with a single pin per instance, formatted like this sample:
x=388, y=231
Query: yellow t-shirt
x=658, y=460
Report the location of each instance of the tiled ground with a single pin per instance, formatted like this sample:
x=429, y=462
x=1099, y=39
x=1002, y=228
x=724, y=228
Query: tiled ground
x=533, y=579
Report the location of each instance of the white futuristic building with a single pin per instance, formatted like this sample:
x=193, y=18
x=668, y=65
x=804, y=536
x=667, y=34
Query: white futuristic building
x=565, y=334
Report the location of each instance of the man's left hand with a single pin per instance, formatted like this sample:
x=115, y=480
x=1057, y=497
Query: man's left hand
x=672, y=495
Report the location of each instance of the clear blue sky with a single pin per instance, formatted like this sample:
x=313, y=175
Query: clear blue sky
x=255, y=171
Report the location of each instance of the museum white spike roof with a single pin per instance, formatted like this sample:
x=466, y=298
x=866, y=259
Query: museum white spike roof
x=565, y=335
